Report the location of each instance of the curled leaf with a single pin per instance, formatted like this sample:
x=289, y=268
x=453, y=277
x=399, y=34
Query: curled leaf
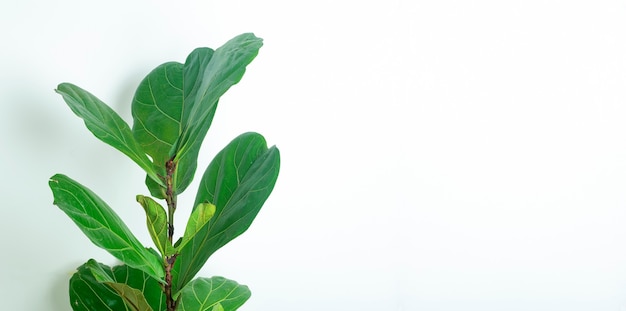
x=156, y=220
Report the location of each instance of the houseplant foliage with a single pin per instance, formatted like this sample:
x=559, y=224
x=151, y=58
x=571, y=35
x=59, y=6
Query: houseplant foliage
x=172, y=110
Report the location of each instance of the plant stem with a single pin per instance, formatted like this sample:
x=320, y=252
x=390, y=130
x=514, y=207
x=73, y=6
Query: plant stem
x=169, y=301
x=170, y=198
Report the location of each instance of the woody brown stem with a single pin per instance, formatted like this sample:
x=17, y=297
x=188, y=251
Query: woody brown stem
x=169, y=299
x=170, y=198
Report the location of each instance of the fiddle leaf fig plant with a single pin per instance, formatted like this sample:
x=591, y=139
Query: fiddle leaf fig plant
x=172, y=111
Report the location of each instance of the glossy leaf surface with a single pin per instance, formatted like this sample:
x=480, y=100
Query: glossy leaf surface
x=132, y=297
x=174, y=105
x=211, y=294
x=102, y=225
x=88, y=294
x=92, y=288
x=105, y=124
x=238, y=181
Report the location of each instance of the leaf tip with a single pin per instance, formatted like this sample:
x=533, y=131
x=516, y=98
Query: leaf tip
x=54, y=180
x=60, y=87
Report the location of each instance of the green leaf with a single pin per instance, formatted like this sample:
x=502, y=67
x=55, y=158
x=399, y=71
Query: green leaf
x=87, y=294
x=96, y=286
x=226, y=68
x=102, y=225
x=238, y=181
x=105, y=124
x=132, y=297
x=156, y=219
x=151, y=289
x=157, y=110
x=198, y=218
x=174, y=105
x=211, y=294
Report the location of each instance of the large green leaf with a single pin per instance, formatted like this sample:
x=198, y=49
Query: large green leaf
x=106, y=125
x=174, y=105
x=216, y=293
x=88, y=294
x=132, y=297
x=102, y=225
x=157, y=110
x=96, y=286
x=238, y=181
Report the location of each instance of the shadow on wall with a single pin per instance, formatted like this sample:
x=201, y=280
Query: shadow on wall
x=46, y=122
x=57, y=297
x=34, y=143
x=44, y=137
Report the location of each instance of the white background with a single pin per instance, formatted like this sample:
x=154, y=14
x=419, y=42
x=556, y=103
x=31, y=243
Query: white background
x=436, y=155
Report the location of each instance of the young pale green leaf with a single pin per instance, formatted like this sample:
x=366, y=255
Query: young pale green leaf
x=96, y=286
x=238, y=181
x=212, y=294
x=106, y=125
x=174, y=105
x=102, y=225
x=198, y=218
x=156, y=219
